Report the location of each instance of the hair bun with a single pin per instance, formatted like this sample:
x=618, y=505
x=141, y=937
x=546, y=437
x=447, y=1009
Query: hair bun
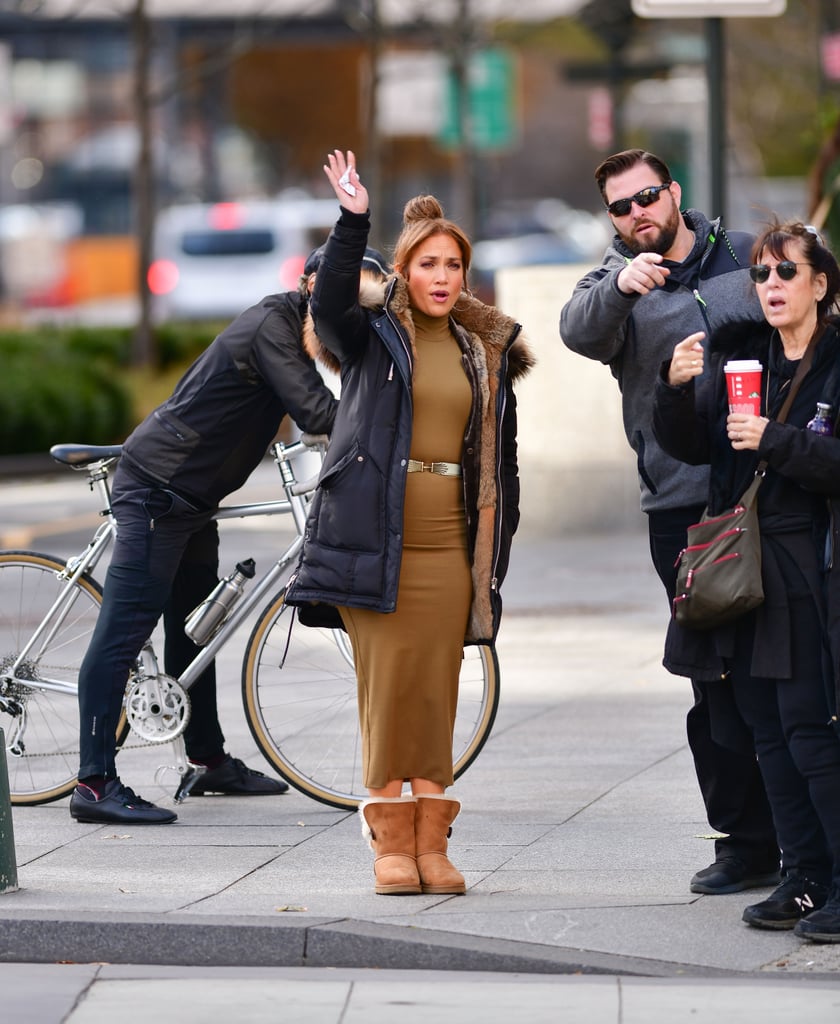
x=422, y=208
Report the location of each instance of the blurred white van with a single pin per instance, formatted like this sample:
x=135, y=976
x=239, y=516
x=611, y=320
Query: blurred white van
x=213, y=260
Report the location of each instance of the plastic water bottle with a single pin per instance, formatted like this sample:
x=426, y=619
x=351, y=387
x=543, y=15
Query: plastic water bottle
x=821, y=423
x=205, y=621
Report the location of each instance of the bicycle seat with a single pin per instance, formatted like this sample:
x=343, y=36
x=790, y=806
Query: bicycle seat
x=81, y=455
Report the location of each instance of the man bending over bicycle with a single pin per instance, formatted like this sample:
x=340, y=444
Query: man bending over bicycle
x=192, y=451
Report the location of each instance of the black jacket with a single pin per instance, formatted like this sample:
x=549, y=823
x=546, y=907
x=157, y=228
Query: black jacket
x=799, y=500
x=353, y=544
x=208, y=437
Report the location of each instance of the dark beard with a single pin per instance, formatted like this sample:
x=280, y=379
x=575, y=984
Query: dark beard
x=662, y=243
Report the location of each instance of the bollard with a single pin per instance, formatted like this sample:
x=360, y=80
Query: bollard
x=8, y=864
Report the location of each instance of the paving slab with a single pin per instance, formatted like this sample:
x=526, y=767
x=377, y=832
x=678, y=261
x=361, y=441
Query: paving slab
x=581, y=827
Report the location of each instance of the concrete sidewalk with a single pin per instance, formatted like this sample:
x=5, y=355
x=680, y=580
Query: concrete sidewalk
x=581, y=827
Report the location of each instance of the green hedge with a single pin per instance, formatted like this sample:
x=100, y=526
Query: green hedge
x=68, y=384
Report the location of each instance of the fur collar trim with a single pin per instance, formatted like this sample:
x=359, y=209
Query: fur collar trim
x=487, y=325
x=748, y=339
x=740, y=339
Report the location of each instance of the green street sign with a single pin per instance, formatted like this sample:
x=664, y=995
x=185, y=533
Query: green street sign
x=490, y=103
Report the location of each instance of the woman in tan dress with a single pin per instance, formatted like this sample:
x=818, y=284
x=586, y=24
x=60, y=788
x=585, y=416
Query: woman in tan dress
x=410, y=531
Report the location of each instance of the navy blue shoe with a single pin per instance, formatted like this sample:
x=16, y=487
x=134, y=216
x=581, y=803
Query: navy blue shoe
x=118, y=805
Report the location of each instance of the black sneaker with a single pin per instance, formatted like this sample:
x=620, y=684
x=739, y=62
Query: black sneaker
x=232, y=778
x=822, y=925
x=796, y=897
x=731, y=874
x=118, y=805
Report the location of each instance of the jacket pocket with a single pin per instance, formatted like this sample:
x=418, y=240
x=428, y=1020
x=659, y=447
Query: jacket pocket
x=351, y=511
x=639, y=445
x=162, y=445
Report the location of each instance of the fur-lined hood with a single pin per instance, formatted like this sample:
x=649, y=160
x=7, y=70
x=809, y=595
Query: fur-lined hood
x=740, y=339
x=486, y=324
x=749, y=340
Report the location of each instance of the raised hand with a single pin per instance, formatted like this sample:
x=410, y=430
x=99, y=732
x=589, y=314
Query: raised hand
x=341, y=172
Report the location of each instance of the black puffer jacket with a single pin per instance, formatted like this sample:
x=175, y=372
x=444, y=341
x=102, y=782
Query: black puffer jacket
x=353, y=544
x=208, y=437
x=799, y=500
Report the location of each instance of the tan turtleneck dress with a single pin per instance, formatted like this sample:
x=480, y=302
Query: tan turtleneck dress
x=408, y=661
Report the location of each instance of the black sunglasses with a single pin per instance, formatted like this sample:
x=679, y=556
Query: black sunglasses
x=786, y=270
x=621, y=207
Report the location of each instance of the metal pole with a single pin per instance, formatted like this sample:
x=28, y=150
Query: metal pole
x=143, y=353
x=716, y=65
x=8, y=864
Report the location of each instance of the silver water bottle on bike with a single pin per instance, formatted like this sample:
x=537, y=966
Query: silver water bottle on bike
x=205, y=621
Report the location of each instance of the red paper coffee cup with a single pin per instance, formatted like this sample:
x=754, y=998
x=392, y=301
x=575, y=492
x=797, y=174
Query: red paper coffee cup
x=743, y=385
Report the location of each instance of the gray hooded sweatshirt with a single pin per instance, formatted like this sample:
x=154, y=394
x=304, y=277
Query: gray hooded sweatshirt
x=634, y=334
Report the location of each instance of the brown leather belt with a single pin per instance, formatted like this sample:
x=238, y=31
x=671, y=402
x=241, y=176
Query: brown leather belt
x=441, y=468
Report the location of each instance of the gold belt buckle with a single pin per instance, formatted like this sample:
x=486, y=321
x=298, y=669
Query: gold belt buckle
x=439, y=468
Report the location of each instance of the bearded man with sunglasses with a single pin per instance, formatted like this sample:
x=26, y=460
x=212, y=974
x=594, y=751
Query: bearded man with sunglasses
x=669, y=273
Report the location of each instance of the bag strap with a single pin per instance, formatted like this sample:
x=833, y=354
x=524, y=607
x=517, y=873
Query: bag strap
x=798, y=377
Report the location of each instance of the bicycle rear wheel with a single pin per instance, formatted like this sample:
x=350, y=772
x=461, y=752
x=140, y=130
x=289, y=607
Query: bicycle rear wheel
x=39, y=708
x=300, y=705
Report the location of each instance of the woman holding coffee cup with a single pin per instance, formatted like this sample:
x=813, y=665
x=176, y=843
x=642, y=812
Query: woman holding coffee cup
x=783, y=658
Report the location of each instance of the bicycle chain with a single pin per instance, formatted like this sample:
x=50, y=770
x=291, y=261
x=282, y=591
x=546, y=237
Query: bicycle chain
x=64, y=754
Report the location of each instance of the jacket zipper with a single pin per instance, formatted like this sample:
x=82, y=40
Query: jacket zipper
x=701, y=302
x=406, y=348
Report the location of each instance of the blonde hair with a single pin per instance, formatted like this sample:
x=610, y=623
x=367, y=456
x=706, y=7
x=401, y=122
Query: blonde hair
x=423, y=218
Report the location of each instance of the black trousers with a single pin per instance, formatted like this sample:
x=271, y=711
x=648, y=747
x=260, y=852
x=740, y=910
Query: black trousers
x=721, y=744
x=165, y=561
x=798, y=749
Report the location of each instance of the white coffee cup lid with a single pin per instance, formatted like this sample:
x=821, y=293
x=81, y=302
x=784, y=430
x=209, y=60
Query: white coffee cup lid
x=742, y=365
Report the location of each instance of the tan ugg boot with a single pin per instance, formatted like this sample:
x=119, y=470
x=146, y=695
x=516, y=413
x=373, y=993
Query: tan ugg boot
x=388, y=826
x=432, y=828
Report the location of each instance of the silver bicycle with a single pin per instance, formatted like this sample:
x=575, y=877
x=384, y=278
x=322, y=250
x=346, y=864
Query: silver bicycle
x=298, y=686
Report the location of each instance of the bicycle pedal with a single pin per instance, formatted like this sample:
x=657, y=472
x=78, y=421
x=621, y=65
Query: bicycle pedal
x=188, y=780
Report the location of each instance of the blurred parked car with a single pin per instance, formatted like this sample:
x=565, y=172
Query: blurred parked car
x=534, y=232
x=211, y=261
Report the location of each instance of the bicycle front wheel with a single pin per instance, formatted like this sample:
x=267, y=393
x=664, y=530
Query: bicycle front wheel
x=299, y=693
x=39, y=708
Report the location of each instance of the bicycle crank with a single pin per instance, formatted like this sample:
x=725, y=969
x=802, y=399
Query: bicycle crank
x=157, y=708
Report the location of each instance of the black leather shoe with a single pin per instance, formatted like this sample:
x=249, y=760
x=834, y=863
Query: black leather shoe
x=233, y=778
x=118, y=805
x=795, y=898
x=822, y=925
x=731, y=874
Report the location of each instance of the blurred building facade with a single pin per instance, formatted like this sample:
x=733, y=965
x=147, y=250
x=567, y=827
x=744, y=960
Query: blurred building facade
x=469, y=99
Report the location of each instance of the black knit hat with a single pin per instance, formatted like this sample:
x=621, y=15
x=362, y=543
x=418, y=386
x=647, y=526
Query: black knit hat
x=372, y=260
